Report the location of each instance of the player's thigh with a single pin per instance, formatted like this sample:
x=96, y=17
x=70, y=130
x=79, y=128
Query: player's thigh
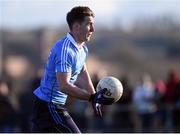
x=66, y=123
x=42, y=121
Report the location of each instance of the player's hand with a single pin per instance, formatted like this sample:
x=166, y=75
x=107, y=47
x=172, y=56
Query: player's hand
x=99, y=99
x=97, y=109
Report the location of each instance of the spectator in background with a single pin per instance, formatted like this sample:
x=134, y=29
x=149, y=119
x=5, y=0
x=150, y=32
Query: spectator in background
x=169, y=99
x=176, y=116
x=7, y=111
x=25, y=99
x=143, y=100
x=160, y=89
x=171, y=83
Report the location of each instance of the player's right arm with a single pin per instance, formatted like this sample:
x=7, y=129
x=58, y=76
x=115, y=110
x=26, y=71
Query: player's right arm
x=70, y=89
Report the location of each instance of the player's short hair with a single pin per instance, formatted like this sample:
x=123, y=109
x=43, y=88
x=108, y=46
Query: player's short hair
x=77, y=14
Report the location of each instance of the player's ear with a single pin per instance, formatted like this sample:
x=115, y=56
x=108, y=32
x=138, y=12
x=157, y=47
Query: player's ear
x=76, y=26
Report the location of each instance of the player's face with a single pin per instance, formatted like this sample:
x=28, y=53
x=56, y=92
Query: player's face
x=86, y=29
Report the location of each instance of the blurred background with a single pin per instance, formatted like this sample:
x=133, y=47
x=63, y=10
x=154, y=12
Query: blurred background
x=137, y=41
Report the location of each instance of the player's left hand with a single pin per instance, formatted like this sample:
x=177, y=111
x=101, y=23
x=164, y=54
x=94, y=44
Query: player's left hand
x=99, y=99
x=97, y=109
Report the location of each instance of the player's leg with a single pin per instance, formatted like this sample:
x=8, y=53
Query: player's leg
x=50, y=118
x=42, y=121
x=63, y=121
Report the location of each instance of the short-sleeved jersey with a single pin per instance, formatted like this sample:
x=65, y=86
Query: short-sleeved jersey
x=64, y=56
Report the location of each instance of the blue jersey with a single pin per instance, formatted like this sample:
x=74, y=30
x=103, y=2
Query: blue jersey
x=65, y=56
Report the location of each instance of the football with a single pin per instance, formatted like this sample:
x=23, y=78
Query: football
x=113, y=86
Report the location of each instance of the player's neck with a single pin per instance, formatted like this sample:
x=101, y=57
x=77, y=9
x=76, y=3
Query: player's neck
x=77, y=39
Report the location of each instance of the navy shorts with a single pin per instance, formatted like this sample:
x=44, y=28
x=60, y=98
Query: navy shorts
x=51, y=118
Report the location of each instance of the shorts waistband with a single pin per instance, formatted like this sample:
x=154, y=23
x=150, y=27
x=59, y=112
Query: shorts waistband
x=58, y=106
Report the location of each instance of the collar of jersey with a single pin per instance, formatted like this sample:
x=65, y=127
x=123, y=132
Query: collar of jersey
x=69, y=36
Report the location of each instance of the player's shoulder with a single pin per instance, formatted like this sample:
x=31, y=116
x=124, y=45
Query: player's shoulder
x=60, y=42
x=63, y=46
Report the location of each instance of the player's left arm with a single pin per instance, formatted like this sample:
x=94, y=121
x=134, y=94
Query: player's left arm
x=84, y=80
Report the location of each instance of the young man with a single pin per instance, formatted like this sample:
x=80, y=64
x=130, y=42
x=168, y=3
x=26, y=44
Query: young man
x=66, y=74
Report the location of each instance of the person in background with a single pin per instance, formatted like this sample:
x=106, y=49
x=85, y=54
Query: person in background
x=7, y=111
x=170, y=99
x=171, y=85
x=143, y=100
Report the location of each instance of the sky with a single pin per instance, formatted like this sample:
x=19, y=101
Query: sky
x=35, y=13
